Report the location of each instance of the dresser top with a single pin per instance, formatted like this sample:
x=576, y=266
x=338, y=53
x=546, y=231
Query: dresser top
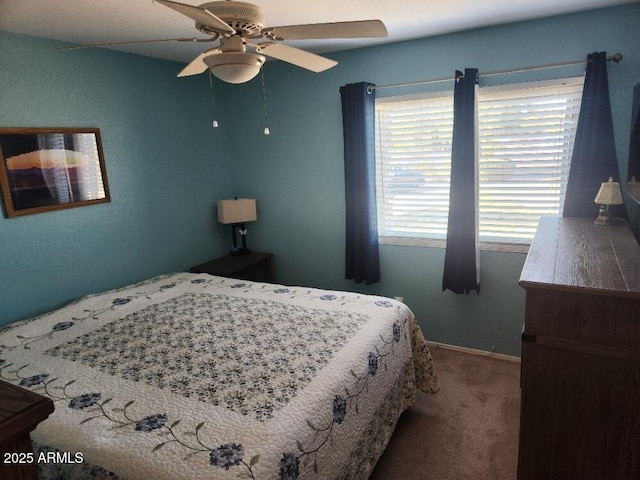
x=20, y=411
x=229, y=265
x=574, y=253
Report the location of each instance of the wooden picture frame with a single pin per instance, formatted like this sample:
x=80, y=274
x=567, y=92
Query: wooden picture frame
x=46, y=169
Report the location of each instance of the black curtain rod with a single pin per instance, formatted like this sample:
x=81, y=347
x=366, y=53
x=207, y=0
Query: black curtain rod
x=615, y=58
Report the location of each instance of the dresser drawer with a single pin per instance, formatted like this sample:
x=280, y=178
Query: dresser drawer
x=583, y=317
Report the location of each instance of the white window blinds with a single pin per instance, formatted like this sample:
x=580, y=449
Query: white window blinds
x=413, y=165
x=525, y=139
x=526, y=136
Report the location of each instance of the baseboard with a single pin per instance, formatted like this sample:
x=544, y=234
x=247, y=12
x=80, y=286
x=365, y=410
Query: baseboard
x=473, y=351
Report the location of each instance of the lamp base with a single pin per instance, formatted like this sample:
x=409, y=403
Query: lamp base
x=243, y=234
x=604, y=217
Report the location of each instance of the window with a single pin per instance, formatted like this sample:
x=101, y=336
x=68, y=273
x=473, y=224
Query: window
x=525, y=139
x=413, y=166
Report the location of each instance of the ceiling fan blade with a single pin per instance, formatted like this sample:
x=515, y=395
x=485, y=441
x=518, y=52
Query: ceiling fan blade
x=200, y=15
x=355, y=29
x=197, y=65
x=295, y=56
x=134, y=42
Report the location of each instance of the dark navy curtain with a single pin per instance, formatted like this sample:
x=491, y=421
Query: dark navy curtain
x=594, y=157
x=634, y=143
x=358, y=125
x=462, y=257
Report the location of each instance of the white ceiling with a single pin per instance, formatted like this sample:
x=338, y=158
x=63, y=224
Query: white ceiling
x=98, y=21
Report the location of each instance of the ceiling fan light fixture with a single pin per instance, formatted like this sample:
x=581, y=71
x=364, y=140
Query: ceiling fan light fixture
x=235, y=67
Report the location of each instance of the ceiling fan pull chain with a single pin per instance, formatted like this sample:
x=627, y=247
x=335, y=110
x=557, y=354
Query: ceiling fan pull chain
x=264, y=99
x=214, y=123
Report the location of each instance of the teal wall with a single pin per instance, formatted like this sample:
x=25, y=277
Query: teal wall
x=296, y=173
x=165, y=165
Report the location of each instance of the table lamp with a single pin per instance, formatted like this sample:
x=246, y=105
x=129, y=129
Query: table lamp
x=609, y=194
x=237, y=212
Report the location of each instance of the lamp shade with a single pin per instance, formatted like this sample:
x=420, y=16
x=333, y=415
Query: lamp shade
x=609, y=193
x=239, y=210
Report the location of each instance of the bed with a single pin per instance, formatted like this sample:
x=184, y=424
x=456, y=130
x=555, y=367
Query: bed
x=201, y=377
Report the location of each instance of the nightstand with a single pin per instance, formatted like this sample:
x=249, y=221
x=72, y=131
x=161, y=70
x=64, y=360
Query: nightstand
x=20, y=412
x=253, y=266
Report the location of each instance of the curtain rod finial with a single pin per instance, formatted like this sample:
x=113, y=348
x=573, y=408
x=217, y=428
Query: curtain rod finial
x=617, y=57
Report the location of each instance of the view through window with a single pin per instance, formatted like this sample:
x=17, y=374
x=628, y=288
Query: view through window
x=525, y=137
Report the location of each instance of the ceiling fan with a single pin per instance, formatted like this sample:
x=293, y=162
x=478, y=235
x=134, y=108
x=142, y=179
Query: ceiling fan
x=237, y=58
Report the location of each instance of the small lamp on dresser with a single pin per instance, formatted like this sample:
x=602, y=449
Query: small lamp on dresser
x=237, y=212
x=609, y=194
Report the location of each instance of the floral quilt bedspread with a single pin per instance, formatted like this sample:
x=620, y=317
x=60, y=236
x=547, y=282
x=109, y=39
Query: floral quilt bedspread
x=200, y=377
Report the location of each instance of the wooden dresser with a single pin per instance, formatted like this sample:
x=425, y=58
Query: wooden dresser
x=580, y=411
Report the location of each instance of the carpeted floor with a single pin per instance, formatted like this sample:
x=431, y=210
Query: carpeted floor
x=467, y=431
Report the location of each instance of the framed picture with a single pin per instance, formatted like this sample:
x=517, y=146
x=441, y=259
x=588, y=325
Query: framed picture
x=45, y=169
